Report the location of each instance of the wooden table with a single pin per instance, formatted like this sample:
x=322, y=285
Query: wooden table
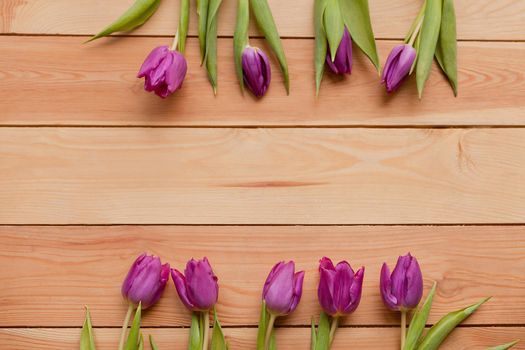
x=94, y=171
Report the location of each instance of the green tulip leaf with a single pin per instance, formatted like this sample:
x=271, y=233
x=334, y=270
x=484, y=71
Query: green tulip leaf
x=439, y=332
x=323, y=333
x=446, y=49
x=264, y=18
x=263, y=327
x=184, y=22
x=217, y=338
x=152, y=343
x=210, y=56
x=202, y=12
x=134, y=333
x=504, y=346
x=87, y=339
x=417, y=325
x=141, y=342
x=240, y=37
x=333, y=25
x=196, y=334
x=134, y=17
x=321, y=44
x=313, y=337
x=429, y=38
x=356, y=16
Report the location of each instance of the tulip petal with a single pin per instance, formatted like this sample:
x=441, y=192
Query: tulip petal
x=386, y=289
x=298, y=290
x=343, y=281
x=180, y=284
x=414, y=284
x=280, y=291
x=355, y=292
x=275, y=270
x=325, y=291
x=153, y=60
x=133, y=271
x=202, y=285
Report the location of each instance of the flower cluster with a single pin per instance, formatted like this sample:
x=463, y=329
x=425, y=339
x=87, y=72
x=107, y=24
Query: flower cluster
x=336, y=30
x=339, y=294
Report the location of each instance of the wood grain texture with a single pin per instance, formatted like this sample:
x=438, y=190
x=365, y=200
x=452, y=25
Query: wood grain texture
x=58, y=81
x=49, y=273
x=477, y=19
x=243, y=339
x=261, y=176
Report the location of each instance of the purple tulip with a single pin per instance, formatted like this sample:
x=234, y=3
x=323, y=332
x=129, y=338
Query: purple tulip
x=342, y=64
x=145, y=281
x=340, y=288
x=398, y=65
x=283, y=288
x=404, y=288
x=164, y=71
x=256, y=70
x=198, y=288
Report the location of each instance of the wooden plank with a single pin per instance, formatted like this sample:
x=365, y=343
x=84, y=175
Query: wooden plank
x=49, y=273
x=261, y=176
x=239, y=338
x=57, y=81
x=477, y=19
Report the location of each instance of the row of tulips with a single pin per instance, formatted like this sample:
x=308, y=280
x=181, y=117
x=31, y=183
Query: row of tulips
x=338, y=25
x=339, y=294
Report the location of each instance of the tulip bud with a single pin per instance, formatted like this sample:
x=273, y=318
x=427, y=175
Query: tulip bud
x=198, y=288
x=145, y=281
x=256, y=70
x=342, y=64
x=340, y=288
x=164, y=71
x=403, y=289
x=398, y=65
x=283, y=289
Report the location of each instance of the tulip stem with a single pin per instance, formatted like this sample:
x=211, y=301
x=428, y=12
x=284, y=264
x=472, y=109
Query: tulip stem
x=333, y=328
x=403, y=328
x=175, y=41
x=125, y=327
x=206, y=330
x=416, y=32
x=269, y=330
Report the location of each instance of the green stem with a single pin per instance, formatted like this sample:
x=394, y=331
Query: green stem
x=416, y=32
x=175, y=42
x=125, y=327
x=403, y=328
x=269, y=330
x=333, y=328
x=206, y=329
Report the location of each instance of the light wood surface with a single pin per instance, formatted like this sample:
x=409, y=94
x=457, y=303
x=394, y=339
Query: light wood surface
x=50, y=272
x=243, y=339
x=82, y=143
x=75, y=84
x=261, y=176
x=477, y=19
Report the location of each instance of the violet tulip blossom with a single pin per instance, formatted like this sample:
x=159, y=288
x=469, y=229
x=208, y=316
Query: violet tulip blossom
x=398, y=66
x=342, y=63
x=197, y=288
x=340, y=288
x=283, y=289
x=256, y=70
x=145, y=281
x=164, y=71
x=402, y=290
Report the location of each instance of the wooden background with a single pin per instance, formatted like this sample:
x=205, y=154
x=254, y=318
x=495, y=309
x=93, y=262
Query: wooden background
x=93, y=171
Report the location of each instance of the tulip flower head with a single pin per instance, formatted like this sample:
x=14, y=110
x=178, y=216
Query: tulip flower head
x=340, y=288
x=398, y=65
x=402, y=290
x=145, y=281
x=283, y=289
x=164, y=71
x=342, y=63
x=197, y=288
x=256, y=70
